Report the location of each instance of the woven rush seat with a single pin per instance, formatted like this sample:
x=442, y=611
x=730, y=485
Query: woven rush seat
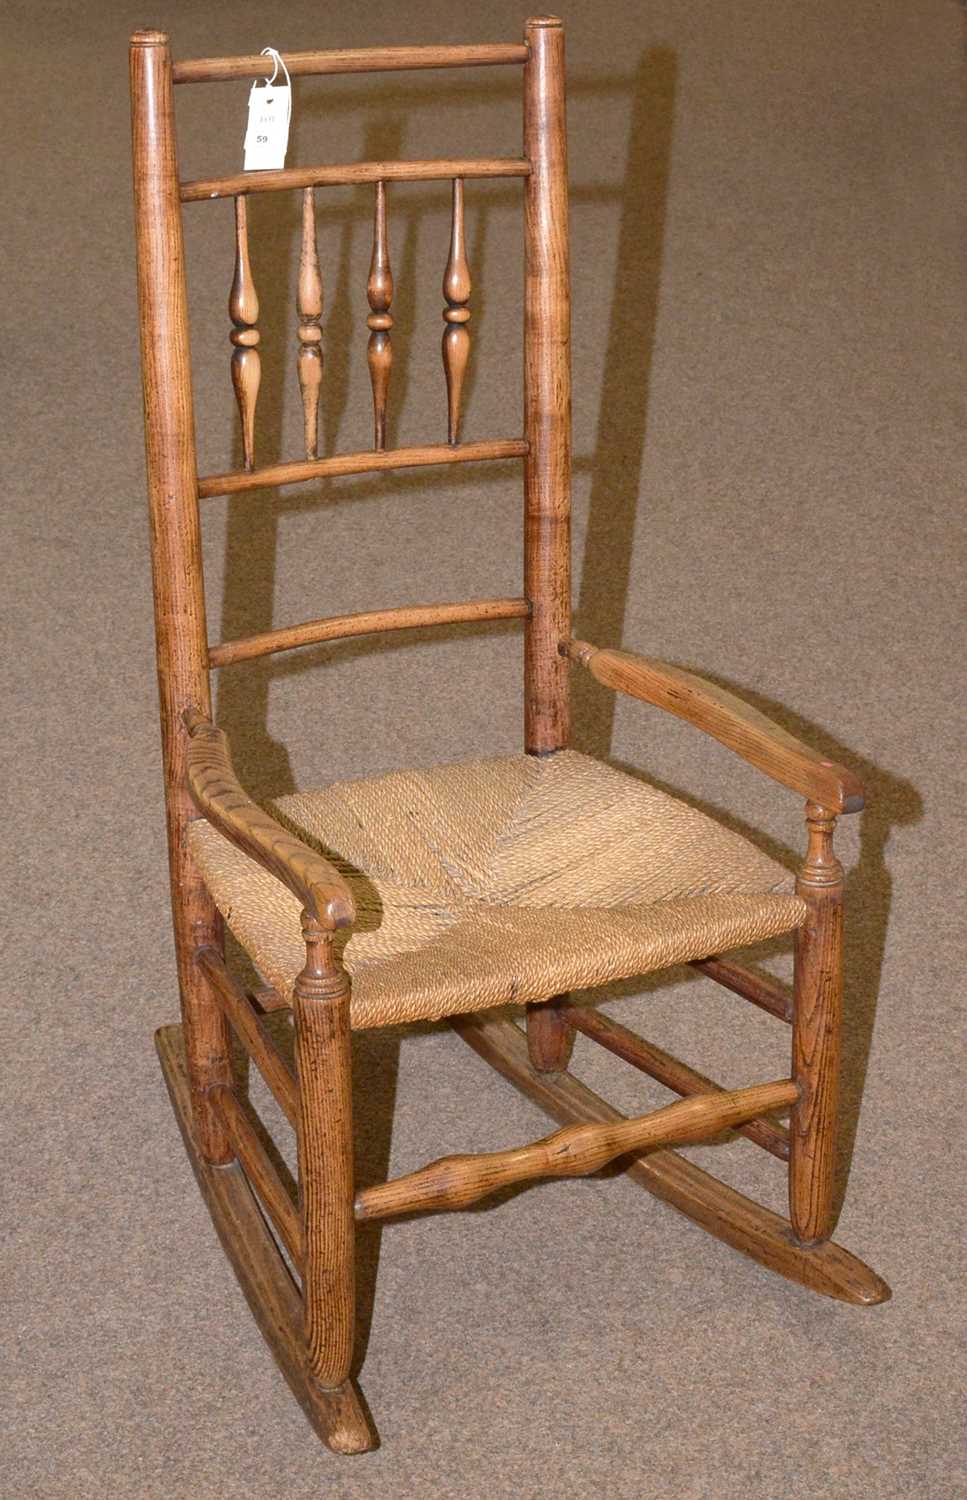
x=503, y=881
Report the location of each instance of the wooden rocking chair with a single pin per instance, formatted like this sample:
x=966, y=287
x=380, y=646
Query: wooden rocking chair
x=453, y=891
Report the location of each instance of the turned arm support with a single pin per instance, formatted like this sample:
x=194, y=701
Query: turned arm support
x=727, y=719
x=324, y=894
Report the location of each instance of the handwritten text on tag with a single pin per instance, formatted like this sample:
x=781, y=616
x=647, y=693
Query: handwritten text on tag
x=267, y=135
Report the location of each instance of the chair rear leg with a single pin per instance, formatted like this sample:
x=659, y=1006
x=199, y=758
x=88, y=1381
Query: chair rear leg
x=325, y=1160
x=550, y=1037
x=197, y=924
x=817, y=1023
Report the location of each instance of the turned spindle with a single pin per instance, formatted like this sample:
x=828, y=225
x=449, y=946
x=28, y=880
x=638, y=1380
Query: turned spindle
x=310, y=327
x=243, y=308
x=456, y=290
x=379, y=290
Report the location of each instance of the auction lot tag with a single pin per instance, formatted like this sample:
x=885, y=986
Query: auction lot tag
x=269, y=112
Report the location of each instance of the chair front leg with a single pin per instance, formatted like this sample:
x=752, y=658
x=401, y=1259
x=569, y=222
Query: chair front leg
x=325, y=1141
x=817, y=1024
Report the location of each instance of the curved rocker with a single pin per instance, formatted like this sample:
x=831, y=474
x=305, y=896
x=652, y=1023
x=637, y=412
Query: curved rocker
x=338, y=1417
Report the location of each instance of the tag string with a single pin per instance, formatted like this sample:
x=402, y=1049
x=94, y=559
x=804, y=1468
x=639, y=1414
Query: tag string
x=279, y=62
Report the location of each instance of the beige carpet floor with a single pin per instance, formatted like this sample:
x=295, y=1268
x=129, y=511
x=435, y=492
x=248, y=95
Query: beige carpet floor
x=768, y=293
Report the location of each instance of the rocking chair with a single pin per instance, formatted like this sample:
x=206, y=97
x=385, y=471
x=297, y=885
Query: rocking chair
x=450, y=892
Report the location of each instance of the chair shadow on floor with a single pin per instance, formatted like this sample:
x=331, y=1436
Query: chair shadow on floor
x=250, y=563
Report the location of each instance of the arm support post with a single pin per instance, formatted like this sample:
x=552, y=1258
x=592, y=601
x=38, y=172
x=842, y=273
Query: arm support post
x=325, y=1144
x=816, y=1027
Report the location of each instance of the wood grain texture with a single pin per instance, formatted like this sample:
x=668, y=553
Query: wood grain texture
x=309, y=299
x=260, y=1171
x=360, y=463
x=341, y=627
x=179, y=599
x=547, y=392
x=243, y=307
x=550, y=1039
x=727, y=719
x=816, y=1032
x=337, y=1417
x=379, y=294
x=669, y=1070
x=350, y=60
x=268, y=999
x=765, y=993
x=346, y=174
x=251, y=1032
x=457, y=1181
x=456, y=292
x=321, y=1006
x=218, y=795
x=729, y=1216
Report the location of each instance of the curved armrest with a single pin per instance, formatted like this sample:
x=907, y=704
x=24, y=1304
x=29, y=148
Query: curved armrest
x=727, y=719
x=218, y=794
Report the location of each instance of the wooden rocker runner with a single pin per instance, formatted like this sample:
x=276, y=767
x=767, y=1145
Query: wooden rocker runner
x=450, y=892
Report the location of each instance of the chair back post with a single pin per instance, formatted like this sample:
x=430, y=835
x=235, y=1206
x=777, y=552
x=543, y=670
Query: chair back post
x=180, y=631
x=547, y=392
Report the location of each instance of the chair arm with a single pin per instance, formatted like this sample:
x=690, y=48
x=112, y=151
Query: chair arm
x=727, y=719
x=227, y=806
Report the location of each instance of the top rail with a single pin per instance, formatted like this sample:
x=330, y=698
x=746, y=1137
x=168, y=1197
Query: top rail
x=347, y=60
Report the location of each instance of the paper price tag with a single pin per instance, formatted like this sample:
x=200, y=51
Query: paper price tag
x=269, y=112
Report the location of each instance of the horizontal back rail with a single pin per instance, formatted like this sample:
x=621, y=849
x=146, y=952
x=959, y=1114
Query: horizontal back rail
x=348, y=60
x=369, y=462
x=346, y=174
x=341, y=627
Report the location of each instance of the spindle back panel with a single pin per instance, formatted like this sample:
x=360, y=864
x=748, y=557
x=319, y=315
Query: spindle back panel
x=175, y=487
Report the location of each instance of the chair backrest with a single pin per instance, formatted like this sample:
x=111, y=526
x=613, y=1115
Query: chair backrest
x=185, y=657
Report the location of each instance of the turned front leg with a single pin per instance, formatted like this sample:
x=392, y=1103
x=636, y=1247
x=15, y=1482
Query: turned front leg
x=321, y=1004
x=817, y=1022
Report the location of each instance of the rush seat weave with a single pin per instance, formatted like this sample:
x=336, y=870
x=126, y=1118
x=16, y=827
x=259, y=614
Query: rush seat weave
x=503, y=881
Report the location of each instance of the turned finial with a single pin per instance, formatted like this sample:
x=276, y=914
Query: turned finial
x=820, y=867
x=323, y=978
